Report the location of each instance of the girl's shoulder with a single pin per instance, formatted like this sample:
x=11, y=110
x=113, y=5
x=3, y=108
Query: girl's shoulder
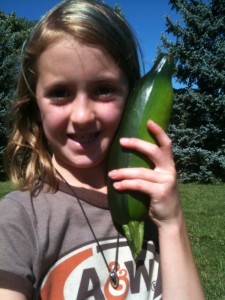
x=14, y=198
x=20, y=201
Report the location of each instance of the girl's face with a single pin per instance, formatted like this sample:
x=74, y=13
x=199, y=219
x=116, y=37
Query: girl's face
x=81, y=94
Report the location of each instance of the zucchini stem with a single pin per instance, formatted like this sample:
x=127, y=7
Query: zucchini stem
x=134, y=232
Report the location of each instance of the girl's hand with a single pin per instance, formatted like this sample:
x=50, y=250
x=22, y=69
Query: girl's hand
x=160, y=183
x=176, y=258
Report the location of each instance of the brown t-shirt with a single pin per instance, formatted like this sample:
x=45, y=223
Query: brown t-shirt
x=47, y=250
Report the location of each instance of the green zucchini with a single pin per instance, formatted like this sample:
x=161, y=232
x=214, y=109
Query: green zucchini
x=151, y=98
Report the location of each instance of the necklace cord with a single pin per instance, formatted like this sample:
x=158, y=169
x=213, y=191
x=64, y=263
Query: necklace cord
x=114, y=270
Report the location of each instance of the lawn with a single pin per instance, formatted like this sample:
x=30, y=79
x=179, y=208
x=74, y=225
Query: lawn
x=5, y=187
x=204, y=207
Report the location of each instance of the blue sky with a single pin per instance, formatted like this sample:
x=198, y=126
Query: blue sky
x=147, y=18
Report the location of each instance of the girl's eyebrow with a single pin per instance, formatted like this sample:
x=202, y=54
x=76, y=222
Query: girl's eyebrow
x=69, y=82
x=110, y=77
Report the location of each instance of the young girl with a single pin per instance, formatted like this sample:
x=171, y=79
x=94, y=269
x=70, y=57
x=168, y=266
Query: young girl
x=57, y=239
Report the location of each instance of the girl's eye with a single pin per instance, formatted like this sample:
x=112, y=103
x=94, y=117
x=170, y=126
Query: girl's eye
x=105, y=92
x=60, y=94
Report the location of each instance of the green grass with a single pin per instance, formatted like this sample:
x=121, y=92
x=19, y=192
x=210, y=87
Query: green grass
x=204, y=207
x=5, y=187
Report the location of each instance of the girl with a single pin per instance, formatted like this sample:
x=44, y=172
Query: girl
x=57, y=237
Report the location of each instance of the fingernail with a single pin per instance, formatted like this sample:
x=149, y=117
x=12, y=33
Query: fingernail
x=151, y=122
x=124, y=140
x=116, y=185
x=112, y=173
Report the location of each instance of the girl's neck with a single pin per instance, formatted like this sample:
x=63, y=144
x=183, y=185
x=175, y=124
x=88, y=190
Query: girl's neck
x=93, y=178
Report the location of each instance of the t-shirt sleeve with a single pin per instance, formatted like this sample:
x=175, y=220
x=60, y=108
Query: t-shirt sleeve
x=17, y=247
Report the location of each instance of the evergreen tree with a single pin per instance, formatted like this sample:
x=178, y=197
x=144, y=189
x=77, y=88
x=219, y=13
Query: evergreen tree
x=118, y=10
x=13, y=32
x=198, y=121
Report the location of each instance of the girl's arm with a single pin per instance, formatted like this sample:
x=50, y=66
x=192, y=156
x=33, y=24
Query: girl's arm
x=11, y=295
x=180, y=279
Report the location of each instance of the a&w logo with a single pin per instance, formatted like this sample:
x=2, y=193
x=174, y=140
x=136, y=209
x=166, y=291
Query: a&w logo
x=82, y=274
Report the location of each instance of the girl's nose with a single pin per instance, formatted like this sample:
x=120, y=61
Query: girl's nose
x=82, y=110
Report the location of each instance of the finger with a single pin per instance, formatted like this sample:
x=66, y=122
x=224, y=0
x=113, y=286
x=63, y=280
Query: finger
x=160, y=135
x=158, y=156
x=133, y=185
x=138, y=173
x=162, y=138
x=157, y=192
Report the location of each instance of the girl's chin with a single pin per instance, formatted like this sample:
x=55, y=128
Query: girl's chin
x=81, y=163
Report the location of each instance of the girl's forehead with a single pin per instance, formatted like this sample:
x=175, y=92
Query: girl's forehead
x=76, y=49
x=68, y=57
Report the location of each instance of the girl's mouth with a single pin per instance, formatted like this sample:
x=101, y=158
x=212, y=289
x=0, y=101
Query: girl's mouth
x=84, y=138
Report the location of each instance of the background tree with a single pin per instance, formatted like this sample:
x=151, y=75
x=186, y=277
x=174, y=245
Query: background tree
x=13, y=33
x=198, y=121
x=118, y=10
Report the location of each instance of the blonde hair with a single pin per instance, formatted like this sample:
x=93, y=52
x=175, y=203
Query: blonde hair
x=28, y=157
